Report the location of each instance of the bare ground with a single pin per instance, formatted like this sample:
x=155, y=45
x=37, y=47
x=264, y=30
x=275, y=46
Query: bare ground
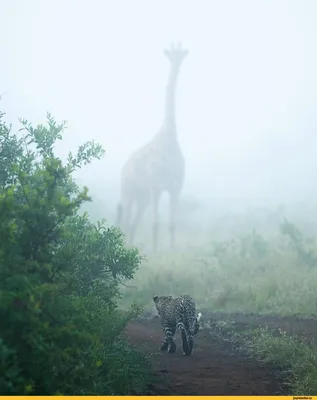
x=215, y=368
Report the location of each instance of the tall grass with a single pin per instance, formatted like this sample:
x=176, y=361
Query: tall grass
x=249, y=274
x=230, y=267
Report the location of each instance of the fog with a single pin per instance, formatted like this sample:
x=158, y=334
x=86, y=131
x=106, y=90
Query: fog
x=246, y=97
x=246, y=116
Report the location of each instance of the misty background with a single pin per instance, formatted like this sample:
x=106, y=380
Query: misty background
x=246, y=97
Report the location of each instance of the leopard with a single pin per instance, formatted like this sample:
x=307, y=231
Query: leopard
x=178, y=313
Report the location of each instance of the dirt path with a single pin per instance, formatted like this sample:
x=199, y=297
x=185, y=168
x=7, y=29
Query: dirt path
x=214, y=368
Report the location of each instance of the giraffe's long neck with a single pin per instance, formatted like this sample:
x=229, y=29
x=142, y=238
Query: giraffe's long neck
x=169, y=119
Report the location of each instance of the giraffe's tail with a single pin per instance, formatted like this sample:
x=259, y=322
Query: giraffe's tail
x=119, y=214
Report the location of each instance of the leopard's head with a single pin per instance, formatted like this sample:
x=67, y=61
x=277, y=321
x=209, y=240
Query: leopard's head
x=161, y=301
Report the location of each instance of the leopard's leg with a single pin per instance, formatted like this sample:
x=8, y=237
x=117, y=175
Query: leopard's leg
x=188, y=333
x=164, y=346
x=185, y=344
x=172, y=347
x=189, y=344
x=181, y=326
x=188, y=341
x=168, y=343
x=180, y=321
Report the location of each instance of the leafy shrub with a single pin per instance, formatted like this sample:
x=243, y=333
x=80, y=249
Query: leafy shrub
x=59, y=276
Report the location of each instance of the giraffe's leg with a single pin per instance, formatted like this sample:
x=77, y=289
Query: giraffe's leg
x=139, y=214
x=126, y=219
x=119, y=215
x=155, y=204
x=173, y=208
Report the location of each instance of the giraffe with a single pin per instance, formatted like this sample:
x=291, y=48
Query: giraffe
x=156, y=167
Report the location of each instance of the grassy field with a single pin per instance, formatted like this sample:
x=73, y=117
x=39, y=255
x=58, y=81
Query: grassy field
x=253, y=262
x=270, y=274
x=250, y=274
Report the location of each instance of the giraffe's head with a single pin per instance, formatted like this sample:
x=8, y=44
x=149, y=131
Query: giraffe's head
x=176, y=55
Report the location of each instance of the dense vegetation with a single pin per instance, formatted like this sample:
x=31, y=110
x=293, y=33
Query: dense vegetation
x=59, y=276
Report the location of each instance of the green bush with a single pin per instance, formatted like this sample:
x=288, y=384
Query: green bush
x=59, y=276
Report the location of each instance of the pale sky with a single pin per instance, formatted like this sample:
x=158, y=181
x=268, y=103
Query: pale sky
x=246, y=96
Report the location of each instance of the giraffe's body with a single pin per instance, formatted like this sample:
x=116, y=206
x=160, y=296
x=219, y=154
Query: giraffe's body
x=157, y=167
